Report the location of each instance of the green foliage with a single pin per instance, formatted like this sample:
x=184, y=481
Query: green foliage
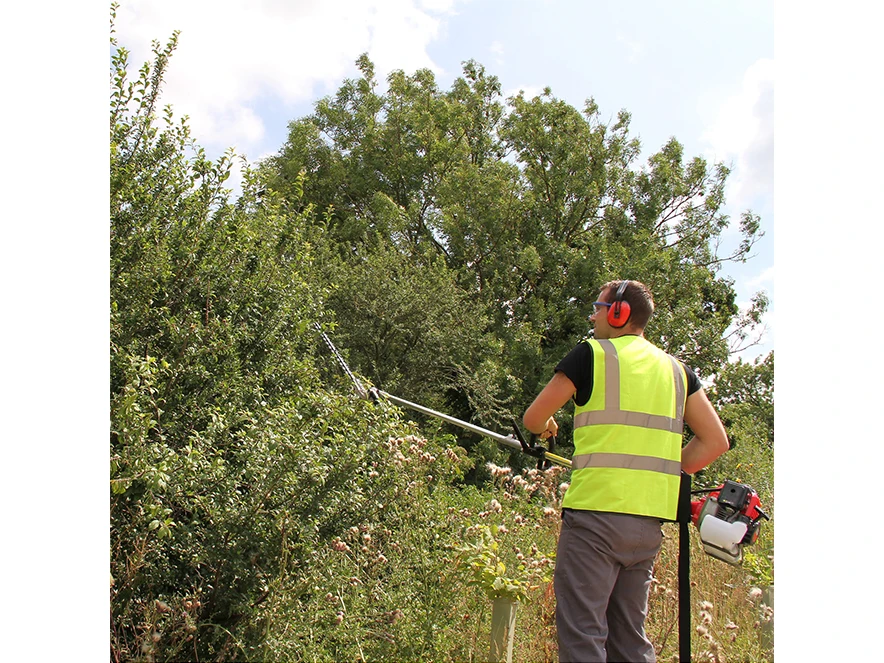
x=532, y=205
x=760, y=567
x=743, y=395
x=489, y=572
x=221, y=435
x=419, y=335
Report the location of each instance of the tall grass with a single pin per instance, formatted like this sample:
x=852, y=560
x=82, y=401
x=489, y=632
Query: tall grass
x=403, y=592
x=728, y=618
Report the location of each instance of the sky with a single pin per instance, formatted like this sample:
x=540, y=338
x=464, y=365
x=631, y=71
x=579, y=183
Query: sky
x=701, y=71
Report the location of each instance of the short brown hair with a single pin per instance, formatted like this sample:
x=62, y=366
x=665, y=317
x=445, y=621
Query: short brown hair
x=638, y=295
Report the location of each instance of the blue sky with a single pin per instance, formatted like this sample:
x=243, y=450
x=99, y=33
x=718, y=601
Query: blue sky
x=701, y=70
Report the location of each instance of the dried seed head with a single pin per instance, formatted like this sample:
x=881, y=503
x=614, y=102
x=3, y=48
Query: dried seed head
x=497, y=471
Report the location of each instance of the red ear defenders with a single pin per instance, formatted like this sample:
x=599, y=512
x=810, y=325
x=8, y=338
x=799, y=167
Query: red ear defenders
x=619, y=310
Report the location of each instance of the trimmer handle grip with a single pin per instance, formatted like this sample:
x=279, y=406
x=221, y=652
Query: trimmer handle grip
x=530, y=449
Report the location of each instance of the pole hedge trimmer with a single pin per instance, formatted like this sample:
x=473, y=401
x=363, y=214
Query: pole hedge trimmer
x=514, y=441
x=728, y=518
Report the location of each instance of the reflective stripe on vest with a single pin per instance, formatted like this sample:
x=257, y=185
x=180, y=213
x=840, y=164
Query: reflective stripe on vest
x=626, y=461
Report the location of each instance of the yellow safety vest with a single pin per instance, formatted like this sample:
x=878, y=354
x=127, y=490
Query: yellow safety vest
x=627, y=438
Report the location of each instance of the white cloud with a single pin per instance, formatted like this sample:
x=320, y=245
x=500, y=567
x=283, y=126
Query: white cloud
x=233, y=54
x=764, y=278
x=742, y=135
x=528, y=91
x=635, y=49
x=441, y=6
x=496, y=50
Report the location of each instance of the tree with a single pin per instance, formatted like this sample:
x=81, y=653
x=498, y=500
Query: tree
x=531, y=204
x=743, y=395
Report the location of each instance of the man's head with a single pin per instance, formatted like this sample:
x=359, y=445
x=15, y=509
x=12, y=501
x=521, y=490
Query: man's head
x=640, y=305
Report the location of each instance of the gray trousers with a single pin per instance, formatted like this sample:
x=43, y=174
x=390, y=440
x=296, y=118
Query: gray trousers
x=602, y=578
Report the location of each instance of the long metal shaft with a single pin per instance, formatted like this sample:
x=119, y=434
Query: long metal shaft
x=507, y=440
x=343, y=364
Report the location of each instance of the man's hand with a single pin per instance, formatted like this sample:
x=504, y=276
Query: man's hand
x=551, y=429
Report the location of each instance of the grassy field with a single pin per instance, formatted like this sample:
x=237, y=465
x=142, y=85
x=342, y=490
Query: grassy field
x=729, y=617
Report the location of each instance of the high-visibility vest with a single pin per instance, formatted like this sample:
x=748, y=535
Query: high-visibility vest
x=627, y=438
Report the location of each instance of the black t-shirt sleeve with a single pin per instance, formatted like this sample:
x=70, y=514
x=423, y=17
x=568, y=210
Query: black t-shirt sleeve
x=577, y=367
x=694, y=383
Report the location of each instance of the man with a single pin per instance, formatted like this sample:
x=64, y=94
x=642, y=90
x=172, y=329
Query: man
x=631, y=401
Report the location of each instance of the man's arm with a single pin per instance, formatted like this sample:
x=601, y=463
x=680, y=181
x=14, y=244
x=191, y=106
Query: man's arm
x=710, y=439
x=538, y=417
